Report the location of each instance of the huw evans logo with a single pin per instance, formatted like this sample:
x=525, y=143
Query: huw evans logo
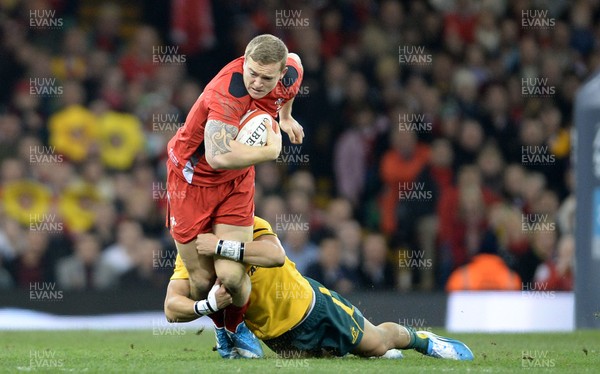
x=536, y=87
x=44, y=291
x=162, y=327
x=537, y=155
x=166, y=122
x=45, y=222
x=414, y=259
x=537, y=222
x=160, y=192
x=43, y=359
x=291, y=359
x=162, y=259
x=414, y=122
x=413, y=191
x=44, y=155
x=287, y=89
x=290, y=18
x=291, y=291
x=537, y=19
x=44, y=87
x=536, y=290
x=536, y=359
x=290, y=222
x=44, y=19
x=167, y=55
x=292, y=155
x=413, y=55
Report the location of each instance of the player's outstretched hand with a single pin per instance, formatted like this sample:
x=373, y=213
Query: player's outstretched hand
x=206, y=243
x=222, y=296
x=274, y=141
x=294, y=130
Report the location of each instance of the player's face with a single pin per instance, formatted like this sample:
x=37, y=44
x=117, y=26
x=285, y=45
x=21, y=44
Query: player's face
x=261, y=79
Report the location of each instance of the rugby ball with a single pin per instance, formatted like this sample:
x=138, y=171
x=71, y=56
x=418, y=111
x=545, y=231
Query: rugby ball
x=253, y=128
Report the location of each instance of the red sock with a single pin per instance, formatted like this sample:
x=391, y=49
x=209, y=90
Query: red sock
x=234, y=315
x=218, y=318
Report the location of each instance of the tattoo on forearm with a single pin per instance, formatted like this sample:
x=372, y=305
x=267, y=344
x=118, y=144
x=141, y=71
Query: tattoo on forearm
x=217, y=136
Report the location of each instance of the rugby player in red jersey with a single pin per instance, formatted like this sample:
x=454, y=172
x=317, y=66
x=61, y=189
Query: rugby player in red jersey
x=210, y=176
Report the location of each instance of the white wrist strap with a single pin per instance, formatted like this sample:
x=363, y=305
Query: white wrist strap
x=209, y=305
x=231, y=249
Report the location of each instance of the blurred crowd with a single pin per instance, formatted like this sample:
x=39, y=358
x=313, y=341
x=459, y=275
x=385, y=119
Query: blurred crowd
x=437, y=132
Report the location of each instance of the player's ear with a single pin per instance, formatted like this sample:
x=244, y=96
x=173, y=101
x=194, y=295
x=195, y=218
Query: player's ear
x=285, y=69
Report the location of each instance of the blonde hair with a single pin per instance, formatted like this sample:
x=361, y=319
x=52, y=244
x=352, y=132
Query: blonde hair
x=267, y=49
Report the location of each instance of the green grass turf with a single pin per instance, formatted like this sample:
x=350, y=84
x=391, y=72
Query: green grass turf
x=175, y=350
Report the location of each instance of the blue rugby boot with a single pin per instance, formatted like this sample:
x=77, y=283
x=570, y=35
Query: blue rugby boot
x=244, y=341
x=225, y=345
x=441, y=347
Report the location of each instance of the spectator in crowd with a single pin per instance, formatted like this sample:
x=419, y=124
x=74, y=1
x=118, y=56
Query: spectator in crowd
x=375, y=271
x=350, y=236
x=351, y=156
x=420, y=219
x=485, y=272
x=71, y=63
x=83, y=270
x=512, y=185
x=462, y=219
x=274, y=209
x=532, y=186
x=557, y=273
x=144, y=272
x=120, y=257
x=137, y=62
x=329, y=269
x=300, y=204
x=105, y=223
x=29, y=267
x=268, y=178
x=541, y=249
x=106, y=35
x=400, y=167
x=338, y=211
x=491, y=164
x=469, y=144
x=300, y=249
x=506, y=222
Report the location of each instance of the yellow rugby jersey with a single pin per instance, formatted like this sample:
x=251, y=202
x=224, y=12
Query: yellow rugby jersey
x=279, y=298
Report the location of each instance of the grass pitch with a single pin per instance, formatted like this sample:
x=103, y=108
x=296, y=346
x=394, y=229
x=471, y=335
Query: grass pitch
x=176, y=350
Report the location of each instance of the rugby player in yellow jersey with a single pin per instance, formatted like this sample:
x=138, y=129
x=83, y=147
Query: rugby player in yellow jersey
x=290, y=312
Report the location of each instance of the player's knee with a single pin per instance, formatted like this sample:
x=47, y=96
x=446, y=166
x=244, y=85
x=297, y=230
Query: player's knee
x=232, y=278
x=202, y=284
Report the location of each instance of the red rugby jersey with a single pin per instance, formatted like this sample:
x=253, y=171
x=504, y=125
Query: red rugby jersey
x=225, y=99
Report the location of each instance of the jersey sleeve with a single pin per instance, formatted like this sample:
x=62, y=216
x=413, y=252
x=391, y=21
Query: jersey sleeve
x=292, y=80
x=228, y=100
x=262, y=227
x=180, y=272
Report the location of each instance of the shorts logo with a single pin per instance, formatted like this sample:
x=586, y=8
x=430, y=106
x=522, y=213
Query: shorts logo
x=354, y=333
